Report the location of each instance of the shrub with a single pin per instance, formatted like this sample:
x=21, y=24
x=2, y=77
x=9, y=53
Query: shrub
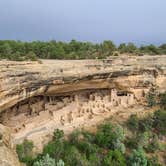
x=87, y=147
x=153, y=161
x=119, y=132
x=72, y=156
x=55, y=149
x=133, y=123
x=163, y=100
x=88, y=136
x=108, y=134
x=160, y=121
x=31, y=56
x=60, y=163
x=139, y=140
x=150, y=49
x=104, y=135
x=95, y=159
x=127, y=48
x=45, y=161
x=114, y=158
x=151, y=98
x=146, y=124
x=142, y=139
x=58, y=134
x=115, y=53
x=162, y=147
x=131, y=142
x=16, y=57
x=24, y=151
x=75, y=136
x=137, y=158
x=153, y=145
x=119, y=146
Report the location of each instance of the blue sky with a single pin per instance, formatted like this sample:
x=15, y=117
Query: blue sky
x=138, y=21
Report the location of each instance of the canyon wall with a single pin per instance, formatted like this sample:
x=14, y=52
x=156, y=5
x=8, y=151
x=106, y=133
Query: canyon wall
x=23, y=80
x=38, y=97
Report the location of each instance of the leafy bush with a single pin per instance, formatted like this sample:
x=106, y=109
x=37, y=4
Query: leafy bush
x=48, y=161
x=143, y=139
x=55, y=149
x=72, y=156
x=138, y=140
x=108, y=134
x=127, y=48
x=163, y=100
x=150, y=49
x=133, y=123
x=88, y=136
x=151, y=98
x=24, y=151
x=31, y=56
x=60, y=163
x=95, y=159
x=119, y=146
x=137, y=158
x=140, y=125
x=16, y=57
x=146, y=124
x=114, y=158
x=115, y=54
x=131, y=142
x=153, y=161
x=75, y=136
x=58, y=134
x=153, y=145
x=87, y=147
x=160, y=121
x=45, y=161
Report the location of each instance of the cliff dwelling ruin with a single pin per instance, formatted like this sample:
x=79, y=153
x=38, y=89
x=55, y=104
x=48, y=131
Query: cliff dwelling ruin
x=37, y=98
x=45, y=113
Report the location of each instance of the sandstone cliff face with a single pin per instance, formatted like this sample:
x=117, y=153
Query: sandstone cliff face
x=22, y=80
x=70, y=94
x=7, y=152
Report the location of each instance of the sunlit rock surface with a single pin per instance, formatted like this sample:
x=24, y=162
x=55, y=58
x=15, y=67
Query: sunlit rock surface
x=21, y=80
x=36, y=98
x=7, y=152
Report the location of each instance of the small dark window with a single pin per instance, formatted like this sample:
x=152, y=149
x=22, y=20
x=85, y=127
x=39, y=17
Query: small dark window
x=121, y=93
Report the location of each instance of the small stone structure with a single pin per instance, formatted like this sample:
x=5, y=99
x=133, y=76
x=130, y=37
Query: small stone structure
x=122, y=100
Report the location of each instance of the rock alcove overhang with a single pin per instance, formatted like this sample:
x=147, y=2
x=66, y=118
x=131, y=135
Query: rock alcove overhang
x=22, y=80
x=90, y=83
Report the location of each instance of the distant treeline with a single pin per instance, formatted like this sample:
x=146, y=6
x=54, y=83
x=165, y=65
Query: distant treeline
x=18, y=50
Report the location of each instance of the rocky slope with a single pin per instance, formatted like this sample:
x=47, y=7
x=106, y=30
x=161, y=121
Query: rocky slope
x=7, y=152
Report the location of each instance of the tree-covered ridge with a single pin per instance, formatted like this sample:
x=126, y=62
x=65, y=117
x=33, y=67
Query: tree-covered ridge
x=137, y=143
x=18, y=50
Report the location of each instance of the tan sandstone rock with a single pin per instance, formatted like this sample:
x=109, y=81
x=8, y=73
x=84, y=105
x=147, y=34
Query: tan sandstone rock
x=8, y=156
